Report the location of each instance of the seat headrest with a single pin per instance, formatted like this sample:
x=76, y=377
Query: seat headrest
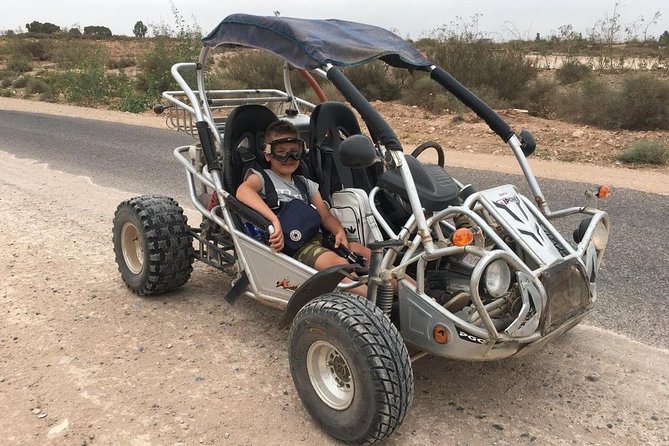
x=328, y=118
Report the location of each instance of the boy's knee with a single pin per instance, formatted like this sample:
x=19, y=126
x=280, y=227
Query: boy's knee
x=328, y=259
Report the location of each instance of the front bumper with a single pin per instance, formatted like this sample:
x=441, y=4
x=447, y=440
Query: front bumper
x=556, y=301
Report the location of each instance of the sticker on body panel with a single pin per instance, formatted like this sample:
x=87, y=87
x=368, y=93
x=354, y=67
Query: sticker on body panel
x=471, y=338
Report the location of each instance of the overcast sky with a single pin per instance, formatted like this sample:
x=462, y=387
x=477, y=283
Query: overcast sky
x=414, y=18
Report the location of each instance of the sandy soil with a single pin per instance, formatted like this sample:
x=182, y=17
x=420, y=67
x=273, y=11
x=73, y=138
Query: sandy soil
x=84, y=361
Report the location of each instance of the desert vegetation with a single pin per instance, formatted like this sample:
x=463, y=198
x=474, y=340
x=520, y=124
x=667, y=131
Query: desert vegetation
x=614, y=77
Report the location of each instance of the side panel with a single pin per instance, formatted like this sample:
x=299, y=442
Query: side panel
x=271, y=273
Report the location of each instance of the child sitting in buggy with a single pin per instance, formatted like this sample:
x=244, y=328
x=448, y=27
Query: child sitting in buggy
x=285, y=151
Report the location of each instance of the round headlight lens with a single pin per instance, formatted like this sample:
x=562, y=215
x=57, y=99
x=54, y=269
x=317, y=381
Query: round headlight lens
x=600, y=237
x=497, y=278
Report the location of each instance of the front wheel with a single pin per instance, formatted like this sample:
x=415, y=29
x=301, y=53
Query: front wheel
x=351, y=368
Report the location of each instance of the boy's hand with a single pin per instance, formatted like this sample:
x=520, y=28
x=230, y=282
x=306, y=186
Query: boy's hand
x=340, y=239
x=276, y=239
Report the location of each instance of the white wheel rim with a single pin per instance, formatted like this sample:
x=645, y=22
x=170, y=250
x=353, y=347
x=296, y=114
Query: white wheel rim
x=330, y=375
x=133, y=251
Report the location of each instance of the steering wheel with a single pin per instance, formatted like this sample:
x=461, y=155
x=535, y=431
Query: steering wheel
x=431, y=145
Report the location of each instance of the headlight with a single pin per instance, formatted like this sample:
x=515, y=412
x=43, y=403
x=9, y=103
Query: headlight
x=497, y=278
x=600, y=237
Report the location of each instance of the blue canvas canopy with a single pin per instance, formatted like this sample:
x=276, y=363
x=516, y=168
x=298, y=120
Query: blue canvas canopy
x=310, y=44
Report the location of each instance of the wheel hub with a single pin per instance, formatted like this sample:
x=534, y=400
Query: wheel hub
x=133, y=251
x=330, y=375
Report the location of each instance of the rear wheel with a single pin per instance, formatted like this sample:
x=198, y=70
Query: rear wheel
x=351, y=368
x=153, y=247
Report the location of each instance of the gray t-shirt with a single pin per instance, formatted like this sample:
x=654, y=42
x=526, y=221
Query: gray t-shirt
x=285, y=190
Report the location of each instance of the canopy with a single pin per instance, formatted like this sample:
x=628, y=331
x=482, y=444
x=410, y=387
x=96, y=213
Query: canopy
x=310, y=44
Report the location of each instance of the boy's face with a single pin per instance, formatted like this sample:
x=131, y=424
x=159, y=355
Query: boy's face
x=290, y=165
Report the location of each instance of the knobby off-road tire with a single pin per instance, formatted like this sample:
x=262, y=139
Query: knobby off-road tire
x=153, y=247
x=351, y=368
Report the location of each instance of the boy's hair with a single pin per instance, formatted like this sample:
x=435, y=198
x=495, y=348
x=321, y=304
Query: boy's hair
x=281, y=128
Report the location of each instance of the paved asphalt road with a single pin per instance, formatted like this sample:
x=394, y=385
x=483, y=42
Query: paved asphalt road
x=633, y=281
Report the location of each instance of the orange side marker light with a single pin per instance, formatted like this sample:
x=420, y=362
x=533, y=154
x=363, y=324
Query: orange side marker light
x=440, y=334
x=462, y=237
x=603, y=192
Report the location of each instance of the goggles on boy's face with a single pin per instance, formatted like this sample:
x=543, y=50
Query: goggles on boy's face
x=283, y=149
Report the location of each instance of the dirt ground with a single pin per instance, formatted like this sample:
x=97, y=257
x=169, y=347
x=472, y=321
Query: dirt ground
x=84, y=361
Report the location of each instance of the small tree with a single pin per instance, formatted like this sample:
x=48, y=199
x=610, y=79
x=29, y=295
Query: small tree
x=140, y=29
x=97, y=31
x=74, y=32
x=42, y=28
x=664, y=38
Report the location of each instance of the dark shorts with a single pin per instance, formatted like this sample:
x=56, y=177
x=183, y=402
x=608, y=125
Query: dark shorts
x=311, y=250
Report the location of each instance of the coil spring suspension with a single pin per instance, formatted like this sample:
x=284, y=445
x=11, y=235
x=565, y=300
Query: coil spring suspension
x=384, y=298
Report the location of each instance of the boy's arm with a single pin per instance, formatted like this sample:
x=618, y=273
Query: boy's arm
x=248, y=193
x=329, y=221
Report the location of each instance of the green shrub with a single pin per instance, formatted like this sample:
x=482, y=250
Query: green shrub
x=135, y=102
x=645, y=103
x=155, y=64
x=92, y=86
x=48, y=96
x=6, y=93
x=257, y=69
x=5, y=82
x=120, y=63
x=482, y=63
x=20, y=64
x=21, y=82
x=427, y=94
x=29, y=48
x=539, y=98
x=37, y=86
x=376, y=81
x=72, y=54
x=594, y=103
x=571, y=72
x=254, y=69
x=646, y=152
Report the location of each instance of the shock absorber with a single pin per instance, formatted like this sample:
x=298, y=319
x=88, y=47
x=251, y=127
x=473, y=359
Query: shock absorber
x=380, y=292
x=384, y=297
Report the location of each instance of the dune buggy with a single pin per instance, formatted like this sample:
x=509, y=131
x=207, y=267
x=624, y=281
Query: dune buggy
x=454, y=272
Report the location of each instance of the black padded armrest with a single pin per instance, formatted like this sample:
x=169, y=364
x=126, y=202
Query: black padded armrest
x=247, y=213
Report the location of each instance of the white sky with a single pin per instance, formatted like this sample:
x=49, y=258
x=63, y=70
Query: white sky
x=410, y=17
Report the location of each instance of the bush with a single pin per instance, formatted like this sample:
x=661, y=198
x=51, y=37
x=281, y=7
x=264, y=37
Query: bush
x=155, y=64
x=571, y=72
x=483, y=64
x=645, y=103
x=92, y=86
x=539, y=98
x=30, y=49
x=375, y=80
x=254, y=69
x=5, y=82
x=77, y=54
x=48, y=96
x=6, y=93
x=427, y=94
x=257, y=69
x=594, y=103
x=646, y=152
x=121, y=63
x=21, y=82
x=20, y=64
x=37, y=86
